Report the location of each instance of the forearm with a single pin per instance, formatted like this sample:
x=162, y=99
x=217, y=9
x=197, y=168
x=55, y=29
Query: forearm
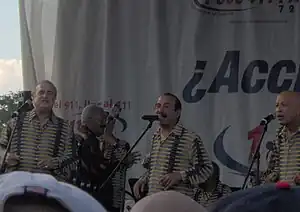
x=202, y=167
x=145, y=177
x=68, y=158
x=198, y=174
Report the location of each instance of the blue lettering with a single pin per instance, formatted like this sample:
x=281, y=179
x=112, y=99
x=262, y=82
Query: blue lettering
x=193, y=82
x=228, y=75
x=262, y=67
x=275, y=72
x=297, y=84
x=231, y=64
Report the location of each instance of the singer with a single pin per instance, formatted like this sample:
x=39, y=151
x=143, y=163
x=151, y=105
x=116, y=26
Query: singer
x=178, y=159
x=284, y=163
x=41, y=141
x=99, y=151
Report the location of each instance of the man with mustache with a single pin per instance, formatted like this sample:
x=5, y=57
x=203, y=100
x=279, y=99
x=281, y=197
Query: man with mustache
x=284, y=164
x=178, y=159
x=41, y=141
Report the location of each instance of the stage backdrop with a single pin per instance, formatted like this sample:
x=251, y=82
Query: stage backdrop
x=225, y=59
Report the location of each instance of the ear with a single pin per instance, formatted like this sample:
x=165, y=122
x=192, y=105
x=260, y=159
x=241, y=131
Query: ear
x=178, y=113
x=32, y=95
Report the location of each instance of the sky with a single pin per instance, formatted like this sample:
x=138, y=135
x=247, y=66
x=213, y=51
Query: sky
x=10, y=47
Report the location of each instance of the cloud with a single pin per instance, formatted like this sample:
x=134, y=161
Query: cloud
x=10, y=76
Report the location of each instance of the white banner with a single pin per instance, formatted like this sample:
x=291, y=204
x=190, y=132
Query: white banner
x=225, y=59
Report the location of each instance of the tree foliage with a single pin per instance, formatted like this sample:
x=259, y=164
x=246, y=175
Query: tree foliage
x=8, y=104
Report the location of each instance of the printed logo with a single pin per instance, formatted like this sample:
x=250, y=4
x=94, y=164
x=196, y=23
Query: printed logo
x=229, y=7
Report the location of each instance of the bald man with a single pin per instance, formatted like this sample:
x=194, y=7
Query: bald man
x=41, y=142
x=167, y=201
x=284, y=164
x=92, y=166
x=99, y=152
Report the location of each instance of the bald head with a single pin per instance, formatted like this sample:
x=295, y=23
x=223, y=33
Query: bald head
x=167, y=201
x=90, y=112
x=94, y=118
x=288, y=107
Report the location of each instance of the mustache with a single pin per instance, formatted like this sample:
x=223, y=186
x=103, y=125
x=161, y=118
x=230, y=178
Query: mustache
x=162, y=115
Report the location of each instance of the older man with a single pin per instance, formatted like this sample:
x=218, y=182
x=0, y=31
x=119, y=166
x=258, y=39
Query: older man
x=284, y=161
x=99, y=152
x=41, y=141
x=178, y=159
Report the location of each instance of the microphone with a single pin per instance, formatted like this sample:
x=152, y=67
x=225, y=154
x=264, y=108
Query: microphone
x=266, y=120
x=23, y=108
x=150, y=117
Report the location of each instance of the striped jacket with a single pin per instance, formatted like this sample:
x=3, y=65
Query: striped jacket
x=113, y=154
x=116, y=153
x=285, y=158
x=207, y=199
x=33, y=143
x=182, y=151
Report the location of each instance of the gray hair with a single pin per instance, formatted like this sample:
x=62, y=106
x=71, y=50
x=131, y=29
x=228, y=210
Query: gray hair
x=49, y=83
x=90, y=111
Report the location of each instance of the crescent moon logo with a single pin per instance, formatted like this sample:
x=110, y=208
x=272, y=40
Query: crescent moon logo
x=123, y=122
x=225, y=158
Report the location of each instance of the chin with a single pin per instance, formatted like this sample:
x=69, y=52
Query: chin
x=283, y=122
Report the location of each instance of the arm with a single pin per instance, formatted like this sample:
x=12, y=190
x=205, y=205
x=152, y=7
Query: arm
x=146, y=164
x=146, y=161
x=67, y=156
x=5, y=136
x=201, y=168
x=273, y=164
x=6, y=133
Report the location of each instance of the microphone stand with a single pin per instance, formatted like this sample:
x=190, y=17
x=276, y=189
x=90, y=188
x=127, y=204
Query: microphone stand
x=256, y=158
x=126, y=155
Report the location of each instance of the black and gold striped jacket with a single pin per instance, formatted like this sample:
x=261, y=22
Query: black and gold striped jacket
x=285, y=156
x=182, y=151
x=207, y=199
x=33, y=143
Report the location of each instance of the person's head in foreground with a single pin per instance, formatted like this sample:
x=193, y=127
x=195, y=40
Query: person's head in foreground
x=167, y=201
x=280, y=197
x=27, y=192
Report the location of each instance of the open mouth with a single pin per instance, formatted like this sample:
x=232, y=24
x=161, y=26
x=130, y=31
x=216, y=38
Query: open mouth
x=280, y=117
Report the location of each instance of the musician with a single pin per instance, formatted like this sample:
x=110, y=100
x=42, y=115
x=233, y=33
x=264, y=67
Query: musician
x=284, y=161
x=178, y=159
x=41, y=141
x=99, y=152
x=212, y=190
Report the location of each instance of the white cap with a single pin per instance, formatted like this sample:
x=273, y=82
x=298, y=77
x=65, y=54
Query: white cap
x=69, y=196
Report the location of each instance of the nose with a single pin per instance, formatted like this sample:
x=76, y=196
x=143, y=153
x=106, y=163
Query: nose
x=44, y=95
x=159, y=110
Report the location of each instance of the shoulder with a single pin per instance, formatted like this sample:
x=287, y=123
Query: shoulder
x=13, y=121
x=62, y=122
x=226, y=188
x=190, y=135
